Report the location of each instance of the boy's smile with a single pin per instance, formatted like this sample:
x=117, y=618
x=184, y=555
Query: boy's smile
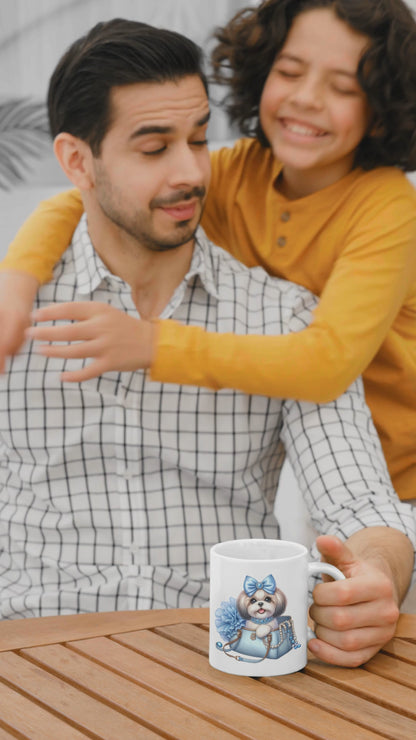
x=312, y=109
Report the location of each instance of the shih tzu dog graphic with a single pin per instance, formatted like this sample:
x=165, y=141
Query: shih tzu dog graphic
x=254, y=624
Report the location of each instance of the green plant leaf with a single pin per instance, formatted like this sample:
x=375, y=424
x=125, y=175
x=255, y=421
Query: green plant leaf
x=24, y=135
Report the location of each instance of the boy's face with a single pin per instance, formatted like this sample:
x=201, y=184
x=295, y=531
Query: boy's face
x=312, y=110
x=153, y=170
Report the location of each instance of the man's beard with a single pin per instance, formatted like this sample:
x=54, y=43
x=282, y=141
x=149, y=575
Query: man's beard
x=139, y=225
x=145, y=238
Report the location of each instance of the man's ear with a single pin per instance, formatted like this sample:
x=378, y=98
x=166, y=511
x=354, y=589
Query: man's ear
x=75, y=158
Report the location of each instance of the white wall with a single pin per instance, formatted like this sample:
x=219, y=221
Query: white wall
x=33, y=36
x=35, y=33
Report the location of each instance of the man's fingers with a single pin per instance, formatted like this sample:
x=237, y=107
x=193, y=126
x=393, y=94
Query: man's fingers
x=350, y=591
x=336, y=552
x=356, y=616
x=356, y=639
x=357, y=590
x=336, y=656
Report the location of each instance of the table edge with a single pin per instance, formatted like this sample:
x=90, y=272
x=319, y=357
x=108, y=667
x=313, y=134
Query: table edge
x=16, y=634
x=33, y=632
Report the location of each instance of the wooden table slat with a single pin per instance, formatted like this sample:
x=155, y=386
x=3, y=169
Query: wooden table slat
x=364, y=712
x=366, y=709
x=5, y=735
x=140, y=703
x=23, y=716
x=388, y=693
x=387, y=666
x=133, y=675
x=176, y=687
x=256, y=695
x=21, y=633
x=69, y=703
x=402, y=649
x=406, y=627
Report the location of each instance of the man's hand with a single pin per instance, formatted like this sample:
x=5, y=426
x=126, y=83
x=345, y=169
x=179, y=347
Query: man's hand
x=17, y=293
x=114, y=340
x=356, y=617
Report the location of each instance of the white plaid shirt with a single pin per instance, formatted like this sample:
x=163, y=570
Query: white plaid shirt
x=113, y=490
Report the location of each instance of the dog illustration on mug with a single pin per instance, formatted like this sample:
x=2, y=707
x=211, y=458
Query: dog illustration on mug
x=260, y=603
x=253, y=624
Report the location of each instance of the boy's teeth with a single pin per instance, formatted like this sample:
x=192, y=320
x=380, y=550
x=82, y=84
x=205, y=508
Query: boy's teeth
x=303, y=130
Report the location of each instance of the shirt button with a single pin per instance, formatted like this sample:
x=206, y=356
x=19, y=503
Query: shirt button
x=285, y=216
x=281, y=242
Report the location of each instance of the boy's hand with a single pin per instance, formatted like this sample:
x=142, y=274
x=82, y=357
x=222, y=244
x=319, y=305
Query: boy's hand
x=111, y=338
x=356, y=617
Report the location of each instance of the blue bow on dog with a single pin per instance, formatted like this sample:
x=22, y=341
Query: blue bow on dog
x=268, y=584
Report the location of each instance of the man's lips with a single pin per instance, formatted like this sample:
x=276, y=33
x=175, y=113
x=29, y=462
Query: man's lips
x=181, y=211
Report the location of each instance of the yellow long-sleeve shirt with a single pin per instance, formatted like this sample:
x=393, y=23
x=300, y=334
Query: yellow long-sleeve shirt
x=353, y=244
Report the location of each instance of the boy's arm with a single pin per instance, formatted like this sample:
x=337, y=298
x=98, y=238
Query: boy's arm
x=17, y=291
x=29, y=262
x=44, y=236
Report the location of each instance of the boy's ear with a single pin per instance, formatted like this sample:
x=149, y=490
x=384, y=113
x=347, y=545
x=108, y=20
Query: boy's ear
x=75, y=158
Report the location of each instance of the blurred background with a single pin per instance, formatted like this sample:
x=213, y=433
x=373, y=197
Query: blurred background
x=33, y=36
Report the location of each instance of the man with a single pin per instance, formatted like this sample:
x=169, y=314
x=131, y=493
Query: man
x=114, y=488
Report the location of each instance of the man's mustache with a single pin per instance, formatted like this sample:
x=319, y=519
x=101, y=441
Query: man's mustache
x=179, y=197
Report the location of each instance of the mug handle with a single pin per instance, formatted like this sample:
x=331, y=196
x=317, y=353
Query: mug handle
x=329, y=570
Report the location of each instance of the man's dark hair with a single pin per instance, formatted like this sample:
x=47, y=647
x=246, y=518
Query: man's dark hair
x=248, y=45
x=118, y=52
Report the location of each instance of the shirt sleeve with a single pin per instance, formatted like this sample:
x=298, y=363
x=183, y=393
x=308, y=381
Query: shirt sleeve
x=365, y=291
x=339, y=466
x=40, y=242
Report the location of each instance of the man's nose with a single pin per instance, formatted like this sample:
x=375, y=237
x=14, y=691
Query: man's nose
x=188, y=168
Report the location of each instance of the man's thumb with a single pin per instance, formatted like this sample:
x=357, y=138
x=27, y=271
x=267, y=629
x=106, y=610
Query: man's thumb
x=336, y=552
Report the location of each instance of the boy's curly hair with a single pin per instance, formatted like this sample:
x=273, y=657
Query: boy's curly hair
x=247, y=47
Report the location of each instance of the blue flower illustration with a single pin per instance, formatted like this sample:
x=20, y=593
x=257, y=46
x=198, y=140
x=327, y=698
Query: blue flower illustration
x=228, y=620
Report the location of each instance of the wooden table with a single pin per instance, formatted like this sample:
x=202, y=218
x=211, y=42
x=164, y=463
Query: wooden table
x=134, y=675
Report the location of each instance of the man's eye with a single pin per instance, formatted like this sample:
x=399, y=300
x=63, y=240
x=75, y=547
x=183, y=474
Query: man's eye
x=202, y=142
x=152, y=152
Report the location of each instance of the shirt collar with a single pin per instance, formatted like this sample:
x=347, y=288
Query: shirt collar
x=203, y=264
x=91, y=270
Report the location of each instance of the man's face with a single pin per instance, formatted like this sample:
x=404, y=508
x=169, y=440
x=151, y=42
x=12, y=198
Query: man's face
x=153, y=170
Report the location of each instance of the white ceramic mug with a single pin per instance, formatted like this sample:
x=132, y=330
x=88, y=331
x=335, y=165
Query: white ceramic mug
x=259, y=606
